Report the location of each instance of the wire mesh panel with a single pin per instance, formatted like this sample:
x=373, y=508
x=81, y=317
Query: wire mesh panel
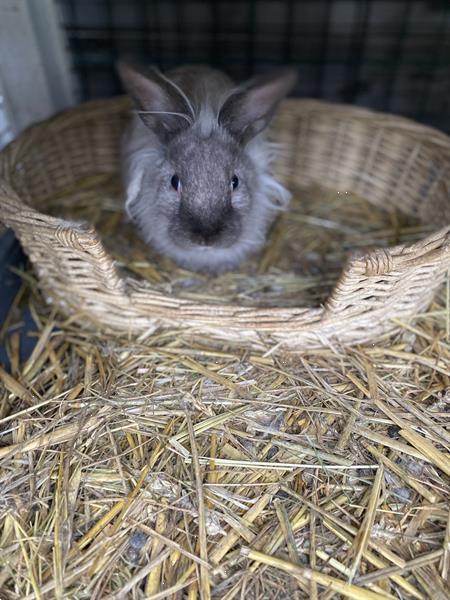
x=391, y=55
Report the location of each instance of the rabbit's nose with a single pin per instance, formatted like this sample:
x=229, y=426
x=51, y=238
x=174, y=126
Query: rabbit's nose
x=206, y=234
x=205, y=227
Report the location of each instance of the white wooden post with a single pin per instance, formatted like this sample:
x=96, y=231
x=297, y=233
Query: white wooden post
x=35, y=74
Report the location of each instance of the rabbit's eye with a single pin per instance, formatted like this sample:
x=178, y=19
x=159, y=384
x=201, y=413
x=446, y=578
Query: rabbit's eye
x=234, y=182
x=176, y=183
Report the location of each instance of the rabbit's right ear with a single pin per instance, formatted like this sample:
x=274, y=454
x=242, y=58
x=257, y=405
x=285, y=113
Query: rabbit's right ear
x=159, y=105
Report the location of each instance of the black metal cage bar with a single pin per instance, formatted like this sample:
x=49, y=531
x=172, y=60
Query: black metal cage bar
x=385, y=54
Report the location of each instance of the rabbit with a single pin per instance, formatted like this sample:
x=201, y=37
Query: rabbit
x=196, y=164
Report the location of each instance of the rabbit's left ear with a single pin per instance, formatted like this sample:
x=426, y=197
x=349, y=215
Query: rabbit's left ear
x=250, y=108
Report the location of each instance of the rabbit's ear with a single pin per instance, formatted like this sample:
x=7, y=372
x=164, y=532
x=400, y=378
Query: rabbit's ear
x=158, y=102
x=249, y=109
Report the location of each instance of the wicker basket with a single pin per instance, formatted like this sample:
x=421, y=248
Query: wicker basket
x=389, y=160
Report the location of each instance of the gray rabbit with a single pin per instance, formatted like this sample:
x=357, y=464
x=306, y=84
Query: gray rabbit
x=196, y=164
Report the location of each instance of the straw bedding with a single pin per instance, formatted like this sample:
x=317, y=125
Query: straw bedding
x=300, y=266
x=160, y=468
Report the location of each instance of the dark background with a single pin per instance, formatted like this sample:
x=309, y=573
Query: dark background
x=391, y=55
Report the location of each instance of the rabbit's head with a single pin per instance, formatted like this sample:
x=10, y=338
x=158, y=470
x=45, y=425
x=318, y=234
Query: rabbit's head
x=201, y=201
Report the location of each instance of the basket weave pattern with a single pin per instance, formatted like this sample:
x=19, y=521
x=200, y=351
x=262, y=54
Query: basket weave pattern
x=389, y=160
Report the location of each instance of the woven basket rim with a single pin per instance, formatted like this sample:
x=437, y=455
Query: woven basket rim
x=121, y=102
x=232, y=316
